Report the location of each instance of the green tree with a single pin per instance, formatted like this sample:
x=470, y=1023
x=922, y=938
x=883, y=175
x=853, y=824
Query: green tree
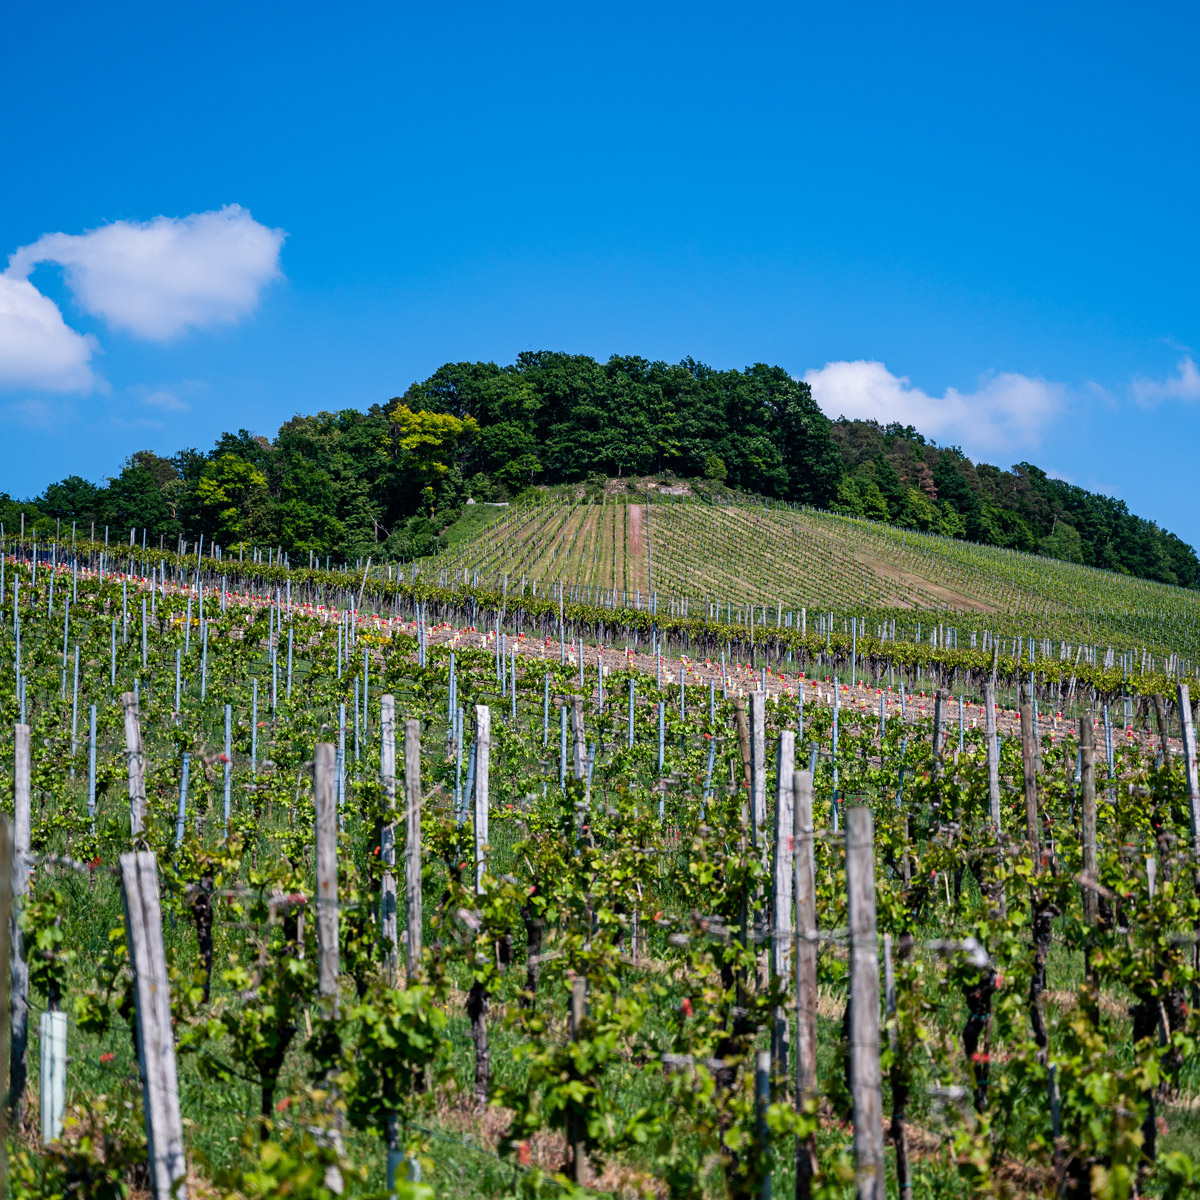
x=72, y=499
x=918, y=511
x=507, y=451
x=232, y=498
x=428, y=447
x=1063, y=542
x=848, y=501
x=137, y=500
x=873, y=503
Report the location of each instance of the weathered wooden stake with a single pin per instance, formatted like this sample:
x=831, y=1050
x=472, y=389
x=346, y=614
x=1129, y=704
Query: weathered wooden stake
x=866, y=1083
x=939, y=727
x=477, y=1000
x=1188, y=734
x=1029, y=763
x=579, y=738
x=412, y=849
x=1087, y=778
x=6, y=895
x=758, y=773
x=387, y=839
x=762, y=1101
x=993, y=754
x=742, y=724
x=804, y=884
x=483, y=744
x=137, y=764
x=155, y=1037
x=576, y=1131
x=899, y=1129
x=781, y=888
x=22, y=773
x=325, y=800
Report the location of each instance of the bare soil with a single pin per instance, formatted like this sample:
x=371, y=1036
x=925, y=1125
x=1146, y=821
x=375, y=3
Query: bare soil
x=902, y=580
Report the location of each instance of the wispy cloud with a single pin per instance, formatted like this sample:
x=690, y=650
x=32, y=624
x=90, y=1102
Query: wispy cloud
x=1006, y=411
x=166, y=399
x=1183, y=385
x=35, y=413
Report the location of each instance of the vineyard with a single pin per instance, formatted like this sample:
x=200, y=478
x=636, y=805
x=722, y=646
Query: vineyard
x=434, y=883
x=720, y=557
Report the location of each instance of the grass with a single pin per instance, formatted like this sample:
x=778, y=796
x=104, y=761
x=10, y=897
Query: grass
x=471, y=522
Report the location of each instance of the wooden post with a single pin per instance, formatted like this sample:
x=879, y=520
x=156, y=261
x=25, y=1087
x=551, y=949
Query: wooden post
x=412, y=848
x=762, y=1136
x=1164, y=730
x=1188, y=735
x=6, y=893
x=579, y=742
x=993, y=755
x=483, y=749
x=1087, y=775
x=387, y=840
x=899, y=1129
x=155, y=1038
x=742, y=723
x=804, y=884
x=758, y=772
x=22, y=773
x=939, y=732
x=1029, y=763
x=227, y=780
x=781, y=887
x=325, y=799
x=576, y=1131
x=137, y=764
x=866, y=1082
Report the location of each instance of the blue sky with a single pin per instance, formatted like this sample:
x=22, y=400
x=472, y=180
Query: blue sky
x=978, y=219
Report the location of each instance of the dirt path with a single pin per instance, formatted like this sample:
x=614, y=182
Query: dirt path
x=904, y=583
x=635, y=561
x=636, y=516
x=738, y=679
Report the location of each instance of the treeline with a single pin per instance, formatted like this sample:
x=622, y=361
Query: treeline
x=388, y=481
x=894, y=474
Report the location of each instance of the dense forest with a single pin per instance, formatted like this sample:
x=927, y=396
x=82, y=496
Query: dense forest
x=388, y=481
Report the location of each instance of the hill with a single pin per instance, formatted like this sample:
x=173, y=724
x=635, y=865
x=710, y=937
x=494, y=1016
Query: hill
x=707, y=553
x=554, y=417
x=388, y=482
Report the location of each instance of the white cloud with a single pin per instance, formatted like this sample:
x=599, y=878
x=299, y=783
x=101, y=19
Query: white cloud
x=170, y=397
x=165, y=399
x=155, y=279
x=36, y=414
x=37, y=348
x=1184, y=385
x=1005, y=411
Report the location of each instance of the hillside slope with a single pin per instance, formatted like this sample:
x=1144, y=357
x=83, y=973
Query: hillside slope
x=386, y=483
x=552, y=417
x=715, y=556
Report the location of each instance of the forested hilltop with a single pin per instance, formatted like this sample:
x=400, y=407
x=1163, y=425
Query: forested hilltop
x=388, y=481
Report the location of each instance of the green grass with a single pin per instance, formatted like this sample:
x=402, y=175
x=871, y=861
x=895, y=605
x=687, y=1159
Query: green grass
x=472, y=522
